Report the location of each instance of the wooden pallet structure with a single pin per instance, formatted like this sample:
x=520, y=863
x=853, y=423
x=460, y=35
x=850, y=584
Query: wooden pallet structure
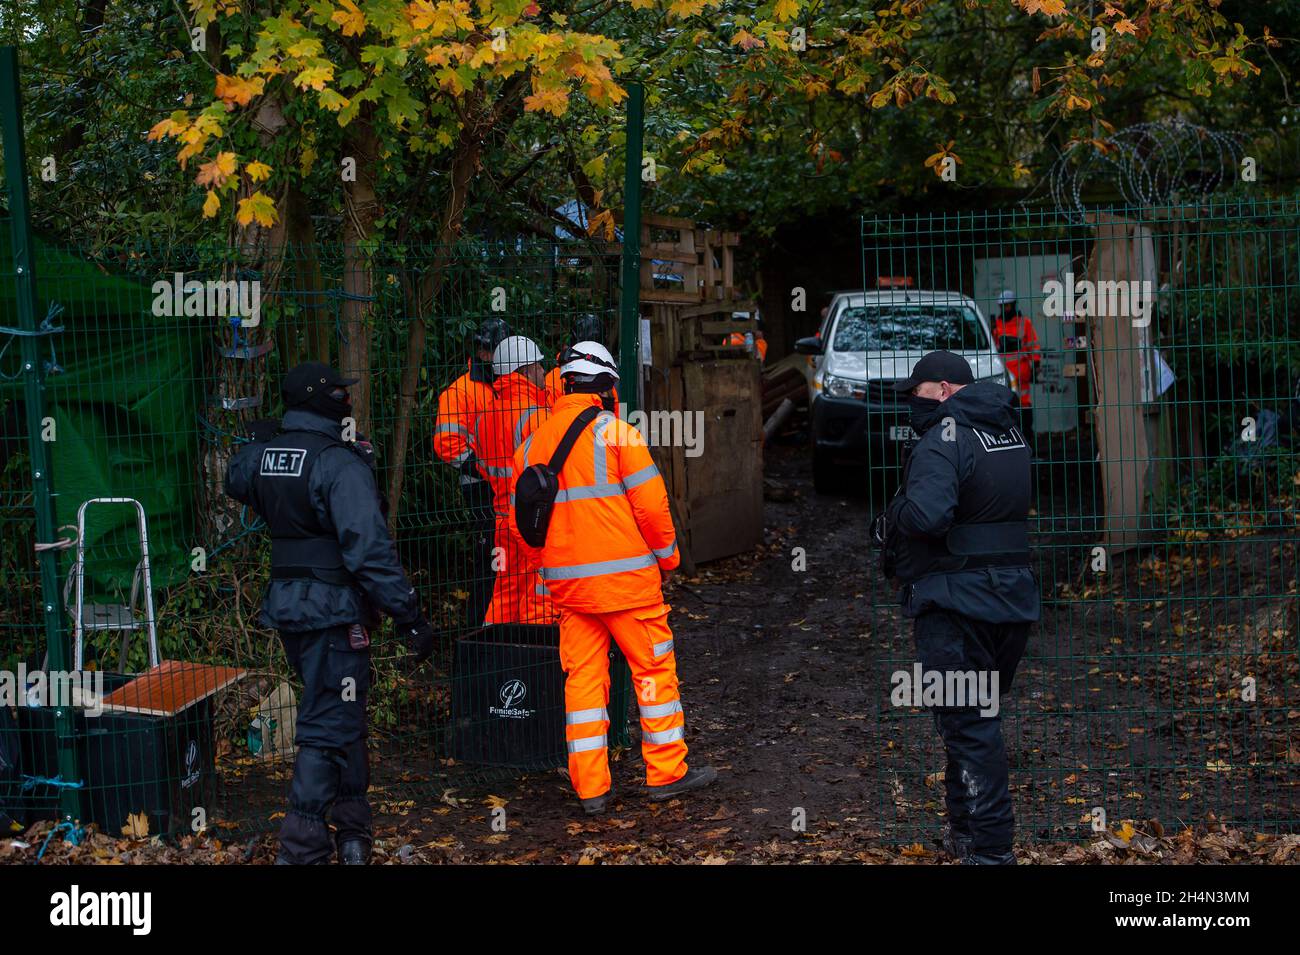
x=688, y=294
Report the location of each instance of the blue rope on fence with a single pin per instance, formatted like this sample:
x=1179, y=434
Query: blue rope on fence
x=31, y=782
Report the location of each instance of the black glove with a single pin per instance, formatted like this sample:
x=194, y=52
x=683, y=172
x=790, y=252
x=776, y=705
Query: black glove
x=878, y=531
x=469, y=467
x=418, y=634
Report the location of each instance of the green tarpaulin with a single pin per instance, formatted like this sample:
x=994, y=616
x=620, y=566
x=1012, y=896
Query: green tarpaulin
x=125, y=409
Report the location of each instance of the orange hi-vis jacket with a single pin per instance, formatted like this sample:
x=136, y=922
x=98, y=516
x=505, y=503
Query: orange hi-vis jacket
x=555, y=384
x=501, y=428
x=611, y=530
x=1021, y=354
x=760, y=344
x=519, y=408
x=459, y=406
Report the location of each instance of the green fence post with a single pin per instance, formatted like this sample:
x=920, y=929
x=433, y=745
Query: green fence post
x=629, y=347
x=15, y=160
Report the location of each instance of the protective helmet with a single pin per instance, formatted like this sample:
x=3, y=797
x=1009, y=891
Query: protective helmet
x=514, y=353
x=588, y=368
x=1006, y=297
x=588, y=328
x=491, y=333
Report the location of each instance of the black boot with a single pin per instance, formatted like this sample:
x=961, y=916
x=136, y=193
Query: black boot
x=985, y=857
x=354, y=852
x=694, y=779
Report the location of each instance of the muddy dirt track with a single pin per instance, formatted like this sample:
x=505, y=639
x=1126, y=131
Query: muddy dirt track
x=1123, y=702
x=1128, y=700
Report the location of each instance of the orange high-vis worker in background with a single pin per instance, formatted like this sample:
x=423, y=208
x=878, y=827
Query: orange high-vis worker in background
x=608, y=545
x=759, y=350
x=1017, y=342
x=521, y=404
x=459, y=406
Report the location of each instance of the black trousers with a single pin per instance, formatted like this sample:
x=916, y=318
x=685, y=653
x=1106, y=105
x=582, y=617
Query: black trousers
x=332, y=772
x=478, y=499
x=975, y=779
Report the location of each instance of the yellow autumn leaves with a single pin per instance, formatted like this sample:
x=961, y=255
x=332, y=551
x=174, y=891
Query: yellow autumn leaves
x=219, y=174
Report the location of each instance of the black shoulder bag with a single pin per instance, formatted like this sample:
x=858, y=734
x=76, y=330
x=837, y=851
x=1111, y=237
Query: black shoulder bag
x=536, y=488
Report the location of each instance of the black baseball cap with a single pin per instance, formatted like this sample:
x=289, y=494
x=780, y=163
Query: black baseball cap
x=311, y=378
x=938, y=366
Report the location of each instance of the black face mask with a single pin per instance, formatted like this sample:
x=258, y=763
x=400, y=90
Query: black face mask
x=334, y=404
x=925, y=412
x=607, y=402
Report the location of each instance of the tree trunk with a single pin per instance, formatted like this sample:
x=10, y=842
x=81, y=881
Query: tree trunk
x=464, y=165
x=362, y=145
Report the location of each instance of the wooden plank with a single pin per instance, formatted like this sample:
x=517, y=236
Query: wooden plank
x=667, y=222
x=170, y=687
x=725, y=328
x=725, y=484
x=663, y=295
x=712, y=308
x=660, y=251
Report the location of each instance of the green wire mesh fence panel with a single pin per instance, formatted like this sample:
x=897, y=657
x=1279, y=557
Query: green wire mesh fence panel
x=1164, y=414
x=167, y=359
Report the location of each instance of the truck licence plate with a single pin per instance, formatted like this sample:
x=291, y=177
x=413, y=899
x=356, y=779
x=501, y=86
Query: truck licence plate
x=901, y=432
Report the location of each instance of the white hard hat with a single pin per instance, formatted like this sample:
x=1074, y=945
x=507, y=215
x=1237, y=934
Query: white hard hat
x=513, y=353
x=1006, y=297
x=588, y=358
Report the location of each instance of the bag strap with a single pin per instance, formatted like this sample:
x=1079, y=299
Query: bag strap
x=586, y=417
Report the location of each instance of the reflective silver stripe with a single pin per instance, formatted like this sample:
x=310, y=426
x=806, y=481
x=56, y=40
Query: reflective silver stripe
x=586, y=716
x=496, y=471
x=598, y=568
x=586, y=743
x=521, y=421
x=587, y=491
x=660, y=709
x=666, y=736
x=640, y=477
x=660, y=649
x=451, y=428
x=541, y=590
x=460, y=458
x=528, y=443
x=466, y=479
x=600, y=463
x=663, y=553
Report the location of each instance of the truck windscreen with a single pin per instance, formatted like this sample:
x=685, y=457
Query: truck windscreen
x=921, y=328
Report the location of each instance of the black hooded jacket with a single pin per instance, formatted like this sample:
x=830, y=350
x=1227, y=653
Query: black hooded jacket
x=972, y=467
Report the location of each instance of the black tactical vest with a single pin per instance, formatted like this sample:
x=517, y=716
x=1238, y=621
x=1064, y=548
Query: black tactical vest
x=301, y=546
x=991, y=526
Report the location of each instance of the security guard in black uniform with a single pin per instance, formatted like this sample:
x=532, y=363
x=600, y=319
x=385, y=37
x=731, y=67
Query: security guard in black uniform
x=333, y=566
x=956, y=540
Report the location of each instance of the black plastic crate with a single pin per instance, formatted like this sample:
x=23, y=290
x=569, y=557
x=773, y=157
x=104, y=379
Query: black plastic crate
x=507, y=700
x=160, y=767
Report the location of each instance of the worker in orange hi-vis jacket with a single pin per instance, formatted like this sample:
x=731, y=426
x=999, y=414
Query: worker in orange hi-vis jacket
x=459, y=406
x=586, y=328
x=521, y=405
x=1017, y=342
x=608, y=546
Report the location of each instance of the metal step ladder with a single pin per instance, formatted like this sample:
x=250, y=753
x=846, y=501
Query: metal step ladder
x=124, y=617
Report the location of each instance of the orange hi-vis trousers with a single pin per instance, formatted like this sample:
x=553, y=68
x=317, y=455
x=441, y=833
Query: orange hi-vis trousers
x=643, y=635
